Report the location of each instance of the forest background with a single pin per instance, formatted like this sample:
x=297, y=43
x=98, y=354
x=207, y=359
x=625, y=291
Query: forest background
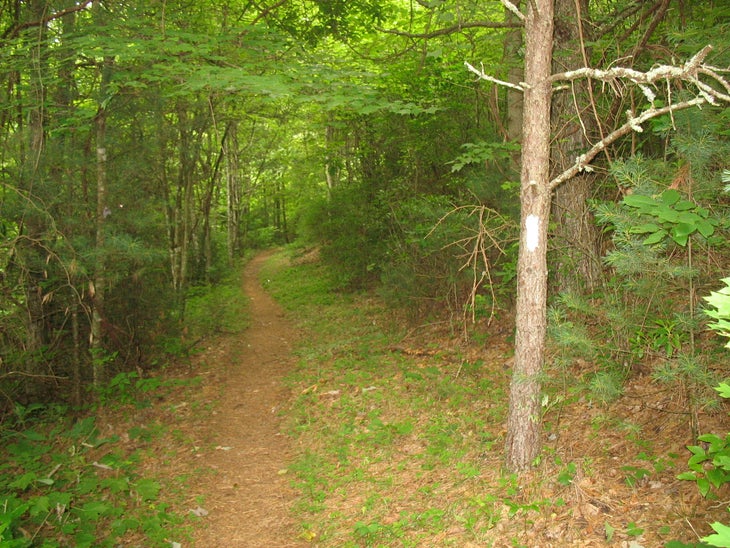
x=147, y=145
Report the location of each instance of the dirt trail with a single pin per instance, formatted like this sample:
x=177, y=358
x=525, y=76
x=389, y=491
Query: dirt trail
x=248, y=497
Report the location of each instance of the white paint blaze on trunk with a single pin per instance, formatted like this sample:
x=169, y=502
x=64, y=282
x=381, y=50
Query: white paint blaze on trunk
x=532, y=232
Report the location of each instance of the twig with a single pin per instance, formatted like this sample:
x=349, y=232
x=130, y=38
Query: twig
x=511, y=7
x=632, y=124
x=484, y=76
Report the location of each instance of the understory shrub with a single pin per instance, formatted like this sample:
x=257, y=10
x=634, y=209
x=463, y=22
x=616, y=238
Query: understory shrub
x=647, y=311
x=445, y=256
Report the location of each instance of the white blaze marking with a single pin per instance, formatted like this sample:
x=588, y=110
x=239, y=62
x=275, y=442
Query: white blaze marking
x=532, y=236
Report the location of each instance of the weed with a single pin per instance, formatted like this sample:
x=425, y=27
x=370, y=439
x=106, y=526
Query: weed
x=63, y=484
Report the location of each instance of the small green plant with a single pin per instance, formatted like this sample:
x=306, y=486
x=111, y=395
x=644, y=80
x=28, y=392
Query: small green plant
x=669, y=216
x=710, y=466
x=720, y=312
x=63, y=484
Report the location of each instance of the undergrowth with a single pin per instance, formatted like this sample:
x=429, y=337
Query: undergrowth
x=66, y=479
x=64, y=483
x=402, y=437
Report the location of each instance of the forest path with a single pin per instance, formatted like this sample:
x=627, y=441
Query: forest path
x=248, y=498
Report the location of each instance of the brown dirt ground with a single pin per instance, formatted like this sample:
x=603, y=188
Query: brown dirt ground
x=248, y=499
x=223, y=446
x=225, y=452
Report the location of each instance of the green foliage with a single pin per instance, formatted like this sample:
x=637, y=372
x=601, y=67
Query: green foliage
x=216, y=308
x=716, y=454
x=720, y=312
x=483, y=153
x=709, y=467
x=351, y=229
x=63, y=484
x=648, y=308
x=670, y=217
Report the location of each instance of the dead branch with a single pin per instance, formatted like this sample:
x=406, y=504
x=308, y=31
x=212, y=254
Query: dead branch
x=633, y=123
x=453, y=29
x=13, y=31
x=616, y=77
x=511, y=7
x=476, y=248
x=484, y=76
x=689, y=72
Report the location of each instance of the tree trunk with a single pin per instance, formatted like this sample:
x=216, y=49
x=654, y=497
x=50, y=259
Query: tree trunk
x=577, y=263
x=523, y=428
x=233, y=195
x=96, y=337
x=511, y=58
x=31, y=255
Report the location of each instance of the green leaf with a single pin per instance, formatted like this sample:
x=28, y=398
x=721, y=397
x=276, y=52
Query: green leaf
x=670, y=196
x=723, y=389
x=684, y=205
x=33, y=435
x=703, y=485
x=640, y=201
x=147, y=489
x=24, y=481
x=681, y=233
x=705, y=227
x=689, y=476
x=94, y=509
x=609, y=532
x=722, y=536
x=647, y=227
x=655, y=238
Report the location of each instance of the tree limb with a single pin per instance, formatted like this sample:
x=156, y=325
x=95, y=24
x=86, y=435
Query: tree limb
x=633, y=123
x=511, y=7
x=13, y=31
x=453, y=29
x=688, y=71
x=484, y=76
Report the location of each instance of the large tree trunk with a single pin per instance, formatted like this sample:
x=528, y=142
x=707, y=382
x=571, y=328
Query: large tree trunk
x=577, y=263
x=523, y=427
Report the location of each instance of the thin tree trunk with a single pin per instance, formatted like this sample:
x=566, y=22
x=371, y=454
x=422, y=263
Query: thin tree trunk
x=233, y=195
x=31, y=255
x=511, y=57
x=523, y=427
x=96, y=339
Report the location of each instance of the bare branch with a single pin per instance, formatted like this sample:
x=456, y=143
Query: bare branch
x=484, y=76
x=14, y=30
x=511, y=7
x=453, y=29
x=662, y=72
x=632, y=124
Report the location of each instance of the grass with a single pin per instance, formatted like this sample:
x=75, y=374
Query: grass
x=83, y=478
x=398, y=441
x=402, y=437
x=64, y=483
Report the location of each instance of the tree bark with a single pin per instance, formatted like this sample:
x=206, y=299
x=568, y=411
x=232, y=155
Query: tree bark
x=234, y=192
x=523, y=428
x=511, y=57
x=577, y=263
x=98, y=287
x=31, y=255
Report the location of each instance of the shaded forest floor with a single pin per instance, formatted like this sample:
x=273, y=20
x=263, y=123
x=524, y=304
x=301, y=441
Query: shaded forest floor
x=352, y=430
